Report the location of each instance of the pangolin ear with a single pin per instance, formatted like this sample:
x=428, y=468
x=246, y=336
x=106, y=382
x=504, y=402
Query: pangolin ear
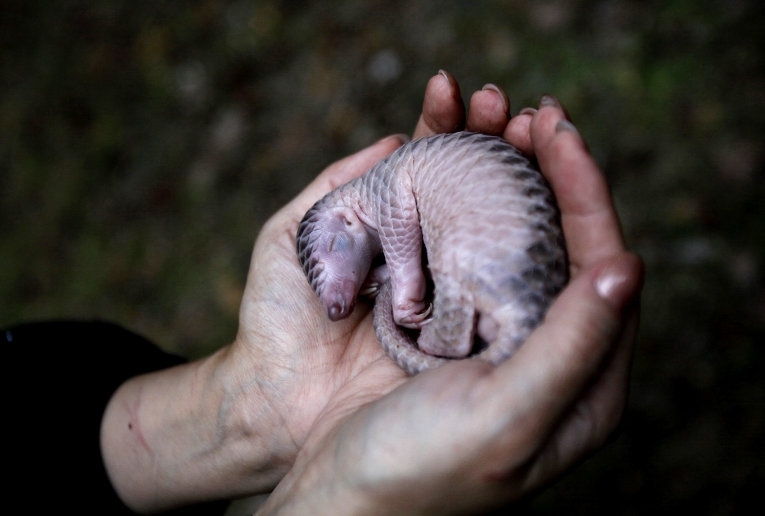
x=345, y=218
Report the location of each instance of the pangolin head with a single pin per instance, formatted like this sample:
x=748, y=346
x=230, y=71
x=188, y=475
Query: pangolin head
x=333, y=247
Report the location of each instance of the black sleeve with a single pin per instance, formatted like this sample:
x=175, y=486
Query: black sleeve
x=60, y=376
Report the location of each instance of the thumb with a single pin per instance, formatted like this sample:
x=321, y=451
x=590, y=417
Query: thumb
x=348, y=168
x=564, y=354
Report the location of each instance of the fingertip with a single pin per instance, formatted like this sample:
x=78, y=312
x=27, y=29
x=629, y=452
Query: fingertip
x=489, y=110
x=550, y=119
x=442, y=106
x=518, y=131
x=501, y=96
x=451, y=82
x=548, y=100
x=551, y=101
x=566, y=126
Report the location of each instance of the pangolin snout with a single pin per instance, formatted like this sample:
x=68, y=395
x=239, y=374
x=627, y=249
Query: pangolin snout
x=340, y=304
x=339, y=309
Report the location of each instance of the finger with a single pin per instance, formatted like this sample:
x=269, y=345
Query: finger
x=562, y=356
x=489, y=110
x=592, y=418
x=442, y=108
x=590, y=223
x=603, y=404
x=518, y=130
x=345, y=170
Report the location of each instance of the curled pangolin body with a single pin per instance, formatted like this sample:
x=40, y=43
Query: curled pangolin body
x=494, y=256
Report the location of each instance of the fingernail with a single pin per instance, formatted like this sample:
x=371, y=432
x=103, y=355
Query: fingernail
x=502, y=95
x=548, y=100
x=620, y=280
x=608, y=282
x=528, y=111
x=565, y=125
x=401, y=138
x=446, y=75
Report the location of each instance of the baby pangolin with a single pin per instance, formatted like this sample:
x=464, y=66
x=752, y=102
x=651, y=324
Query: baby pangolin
x=494, y=255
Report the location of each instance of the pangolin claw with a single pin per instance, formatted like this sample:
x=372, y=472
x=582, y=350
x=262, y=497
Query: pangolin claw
x=419, y=319
x=370, y=290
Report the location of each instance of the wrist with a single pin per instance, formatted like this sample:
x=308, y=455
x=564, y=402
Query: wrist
x=311, y=487
x=250, y=419
x=195, y=432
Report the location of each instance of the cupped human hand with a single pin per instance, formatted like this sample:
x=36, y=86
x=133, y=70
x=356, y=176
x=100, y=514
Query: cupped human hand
x=316, y=409
x=298, y=359
x=466, y=437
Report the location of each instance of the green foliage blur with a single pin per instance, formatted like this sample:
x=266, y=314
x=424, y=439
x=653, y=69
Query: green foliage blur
x=143, y=144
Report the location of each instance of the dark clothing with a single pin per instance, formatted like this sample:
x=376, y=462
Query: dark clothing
x=60, y=376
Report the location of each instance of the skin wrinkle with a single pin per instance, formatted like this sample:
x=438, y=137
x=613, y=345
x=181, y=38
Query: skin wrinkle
x=223, y=429
x=282, y=420
x=343, y=357
x=269, y=394
x=341, y=360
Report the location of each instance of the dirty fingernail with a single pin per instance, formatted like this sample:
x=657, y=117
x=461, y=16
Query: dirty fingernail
x=548, y=100
x=565, y=125
x=528, y=111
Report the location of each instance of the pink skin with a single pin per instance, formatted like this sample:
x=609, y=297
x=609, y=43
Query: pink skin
x=342, y=234
x=345, y=248
x=394, y=215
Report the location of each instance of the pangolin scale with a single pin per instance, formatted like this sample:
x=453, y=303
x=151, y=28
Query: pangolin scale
x=494, y=255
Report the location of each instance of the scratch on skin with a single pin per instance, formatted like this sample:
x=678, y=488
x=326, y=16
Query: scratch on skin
x=134, y=426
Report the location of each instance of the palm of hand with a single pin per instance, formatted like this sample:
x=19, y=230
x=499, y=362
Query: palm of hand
x=313, y=362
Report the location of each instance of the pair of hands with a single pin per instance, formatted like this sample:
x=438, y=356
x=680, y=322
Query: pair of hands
x=467, y=436
x=316, y=410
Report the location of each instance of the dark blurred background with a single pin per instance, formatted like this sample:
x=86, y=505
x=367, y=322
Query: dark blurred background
x=143, y=143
